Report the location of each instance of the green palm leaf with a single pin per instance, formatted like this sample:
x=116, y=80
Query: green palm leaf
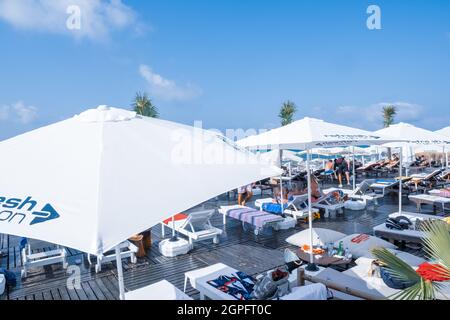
x=143, y=106
x=287, y=112
x=437, y=244
x=397, y=267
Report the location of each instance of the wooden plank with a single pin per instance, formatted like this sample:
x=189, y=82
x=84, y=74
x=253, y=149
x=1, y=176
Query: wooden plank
x=63, y=293
x=88, y=291
x=55, y=294
x=111, y=287
x=106, y=292
x=73, y=294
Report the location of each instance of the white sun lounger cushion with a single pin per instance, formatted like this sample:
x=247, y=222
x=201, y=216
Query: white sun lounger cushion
x=364, y=247
x=409, y=258
x=320, y=237
x=162, y=290
x=315, y=291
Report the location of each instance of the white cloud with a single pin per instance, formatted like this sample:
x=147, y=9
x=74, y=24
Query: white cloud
x=18, y=112
x=167, y=89
x=98, y=17
x=370, y=117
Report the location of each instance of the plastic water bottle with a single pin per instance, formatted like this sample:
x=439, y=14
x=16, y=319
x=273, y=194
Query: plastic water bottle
x=347, y=254
x=330, y=248
x=340, y=249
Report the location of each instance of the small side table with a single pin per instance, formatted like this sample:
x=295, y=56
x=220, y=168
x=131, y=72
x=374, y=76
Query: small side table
x=137, y=240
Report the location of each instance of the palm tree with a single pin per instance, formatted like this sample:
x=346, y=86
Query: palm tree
x=436, y=244
x=143, y=106
x=388, y=115
x=287, y=112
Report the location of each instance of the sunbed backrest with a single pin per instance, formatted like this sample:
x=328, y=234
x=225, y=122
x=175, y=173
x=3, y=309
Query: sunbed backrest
x=197, y=220
x=297, y=202
x=364, y=186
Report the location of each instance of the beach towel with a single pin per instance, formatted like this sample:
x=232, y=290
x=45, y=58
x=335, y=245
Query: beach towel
x=274, y=207
x=444, y=194
x=239, y=285
x=254, y=217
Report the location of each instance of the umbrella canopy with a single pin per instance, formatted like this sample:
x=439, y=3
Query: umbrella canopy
x=273, y=157
x=445, y=131
x=413, y=135
x=94, y=180
x=312, y=133
x=415, y=138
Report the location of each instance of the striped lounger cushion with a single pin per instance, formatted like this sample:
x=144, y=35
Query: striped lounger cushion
x=254, y=217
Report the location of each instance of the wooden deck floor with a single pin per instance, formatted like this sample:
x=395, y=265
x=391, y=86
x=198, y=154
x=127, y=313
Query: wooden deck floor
x=238, y=248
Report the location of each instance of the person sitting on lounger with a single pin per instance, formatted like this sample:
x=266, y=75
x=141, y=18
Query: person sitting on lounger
x=329, y=167
x=245, y=193
x=277, y=195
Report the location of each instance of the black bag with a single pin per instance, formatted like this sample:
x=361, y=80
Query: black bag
x=10, y=277
x=398, y=223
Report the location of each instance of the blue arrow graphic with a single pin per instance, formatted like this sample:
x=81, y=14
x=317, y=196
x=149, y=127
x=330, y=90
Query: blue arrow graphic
x=46, y=214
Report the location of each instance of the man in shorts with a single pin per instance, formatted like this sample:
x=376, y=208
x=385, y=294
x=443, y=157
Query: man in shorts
x=343, y=167
x=244, y=194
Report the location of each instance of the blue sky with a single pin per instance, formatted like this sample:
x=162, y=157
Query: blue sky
x=228, y=63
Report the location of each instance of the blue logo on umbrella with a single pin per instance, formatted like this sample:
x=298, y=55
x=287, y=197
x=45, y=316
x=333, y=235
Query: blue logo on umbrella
x=47, y=213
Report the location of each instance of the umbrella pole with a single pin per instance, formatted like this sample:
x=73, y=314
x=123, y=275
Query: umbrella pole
x=443, y=153
x=174, y=233
x=400, y=169
x=281, y=180
x=354, y=175
x=120, y=274
x=446, y=158
x=311, y=266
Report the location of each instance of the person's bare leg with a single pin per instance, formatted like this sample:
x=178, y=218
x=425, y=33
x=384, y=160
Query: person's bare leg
x=340, y=178
x=240, y=199
x=347, y=175
x=248, y=196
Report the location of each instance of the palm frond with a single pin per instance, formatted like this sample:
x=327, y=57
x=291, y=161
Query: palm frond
x=436, y=243
x=287, y=112
x=397, y=267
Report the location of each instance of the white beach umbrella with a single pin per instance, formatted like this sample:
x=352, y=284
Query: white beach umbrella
x=92, y=181
x=273, y=157
x=307, y=134
x=412, y=137
x=446, y=132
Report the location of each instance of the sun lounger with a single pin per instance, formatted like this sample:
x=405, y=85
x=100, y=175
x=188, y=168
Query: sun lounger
x=389, y=185
x=200, y=280
x=367, y=166
x=162, y=290
x=196, y=226
x=127, y=250
x=257, y=218
x=409, y=235
x=297, y=207
x=420, y=199
x=362, y=192
x=424, y=180
x=329, y=203
x=40, y=259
